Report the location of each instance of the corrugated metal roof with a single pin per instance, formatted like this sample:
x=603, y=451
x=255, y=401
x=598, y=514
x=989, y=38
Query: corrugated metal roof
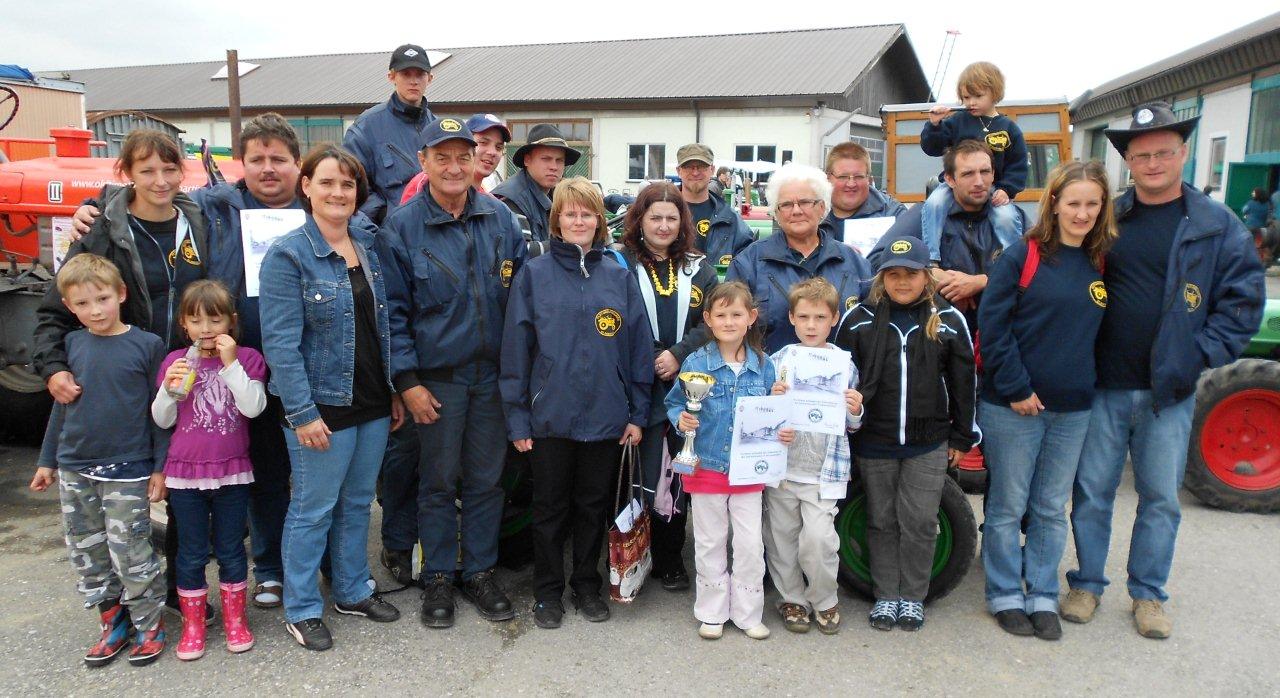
x=807, y=62
x=1104, y=97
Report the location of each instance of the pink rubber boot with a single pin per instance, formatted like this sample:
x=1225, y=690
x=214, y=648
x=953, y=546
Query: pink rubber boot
x=191, y=601
x=234, y=623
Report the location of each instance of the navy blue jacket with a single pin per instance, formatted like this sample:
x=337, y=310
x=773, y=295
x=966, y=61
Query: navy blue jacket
x=767, y=268
x=526, y=198
x=877, y=205
x=386, y=139
x=728, y=236
x=1001, y=134
x=969, y=243
x=447, y=282
x=1214, y=293
x=577, y=351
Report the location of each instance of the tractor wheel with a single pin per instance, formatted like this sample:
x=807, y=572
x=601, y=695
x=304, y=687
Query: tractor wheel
x=24, y=406
x=1233, y=459
x=952, y=554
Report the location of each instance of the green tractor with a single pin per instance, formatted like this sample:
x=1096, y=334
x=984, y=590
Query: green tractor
x=1233, y=458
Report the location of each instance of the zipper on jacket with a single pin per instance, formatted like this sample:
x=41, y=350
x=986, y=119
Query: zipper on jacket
x=443, y=267
x=497, y=255
x=474, y=275
x=402, y=156
x=778, y=286
x=902, y=408
x=582, y=264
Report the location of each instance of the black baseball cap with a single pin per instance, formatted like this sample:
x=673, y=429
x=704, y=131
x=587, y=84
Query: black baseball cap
x=409, y=56
x=904, y=251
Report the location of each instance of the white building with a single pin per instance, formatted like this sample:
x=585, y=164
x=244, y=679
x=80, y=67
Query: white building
x=629, y=105
x=1232, y=82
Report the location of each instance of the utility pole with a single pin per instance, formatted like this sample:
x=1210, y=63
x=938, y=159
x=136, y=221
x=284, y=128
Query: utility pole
x=233, y=100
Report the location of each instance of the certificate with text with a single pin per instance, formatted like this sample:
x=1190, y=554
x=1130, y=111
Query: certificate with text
x=259, y=227
x=756, y=456
x=816, y=379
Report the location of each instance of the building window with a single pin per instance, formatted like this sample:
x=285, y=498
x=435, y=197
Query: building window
x=1264, y=127
x=875, y=148
x=646, y=161
x=1217, y=161
x=1185, y=109
x=313, y=131
x=752, y=153
x=1041, y=159
x=577, y=133
x=1098, y=144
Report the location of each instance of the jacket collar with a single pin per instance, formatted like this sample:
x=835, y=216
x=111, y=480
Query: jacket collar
x=954, y=208
x=321, y=247
x=402, y=110
x=1198, y=208
x=436, y=215
x=874, y=204
x=572, y=258
x=775, y=248
x=117, y=210
x=716, y=362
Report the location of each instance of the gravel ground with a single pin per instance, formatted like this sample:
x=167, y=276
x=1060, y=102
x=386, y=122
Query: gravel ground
x=1226, y=636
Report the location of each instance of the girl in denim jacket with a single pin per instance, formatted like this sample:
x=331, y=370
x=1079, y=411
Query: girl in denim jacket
x=740, y=367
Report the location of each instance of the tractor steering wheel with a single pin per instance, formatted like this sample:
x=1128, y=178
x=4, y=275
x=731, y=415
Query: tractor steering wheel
x=8, y=105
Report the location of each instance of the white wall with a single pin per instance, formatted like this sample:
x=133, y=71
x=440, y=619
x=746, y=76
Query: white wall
x=612, y=136
x=215, y=130
x=1224, y=113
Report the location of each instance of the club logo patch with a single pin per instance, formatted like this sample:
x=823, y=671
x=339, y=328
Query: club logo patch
x=1193, y=297
x=695, y=296
x=1144, y=116
x=1098, y=293
x=505, y=273
x=608, y=322
x=998, y=141
x=189, y=253
x=726, y=259
x=850, y=302
x=704, y=227
x=450, y=126
x=900, y=247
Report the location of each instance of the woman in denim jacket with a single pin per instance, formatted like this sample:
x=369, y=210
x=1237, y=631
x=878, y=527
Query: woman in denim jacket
x=740, y=368
x=325, y=336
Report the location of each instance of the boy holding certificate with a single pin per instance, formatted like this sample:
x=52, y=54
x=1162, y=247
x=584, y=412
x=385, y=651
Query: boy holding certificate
x=800, y=536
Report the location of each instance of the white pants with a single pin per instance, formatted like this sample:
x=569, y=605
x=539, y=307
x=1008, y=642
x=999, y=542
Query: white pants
x=723, y=595
x=800, y=537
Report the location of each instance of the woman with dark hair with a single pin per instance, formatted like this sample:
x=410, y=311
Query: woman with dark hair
x=1257, y=210
x=1045, y=294
x=674, y=279
x=326, y=339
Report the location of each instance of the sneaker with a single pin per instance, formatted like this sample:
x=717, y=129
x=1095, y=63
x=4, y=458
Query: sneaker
x=1046, y=625
x=1015, y=622
x=548, y=615
x=115, y=634
x=794, y=617
x=148, y=646
x=490, y=601
x=1149, y=616
x=311, y=633
x=711, y=631
x=437, y=602
x=591, y=607
x=374, y=607
x=1079, y=606
x=910, y=614
x=884, y=615
x=758, y=632
x=400, y=564
x=676, y=580
x=828, y=620
x=268, y=595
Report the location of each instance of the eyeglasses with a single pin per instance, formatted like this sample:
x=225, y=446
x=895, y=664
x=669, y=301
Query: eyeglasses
x=804, y=204
x=850, y=179
x=1144, y=158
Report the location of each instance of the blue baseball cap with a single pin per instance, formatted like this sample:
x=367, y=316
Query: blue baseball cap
x=441, y=130
x=484, y=122
x=904, y=251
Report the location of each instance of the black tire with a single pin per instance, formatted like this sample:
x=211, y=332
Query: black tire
x=515, y=541
x=24, y=407
x=972, y=481
x=957, y=540
x=1243, y=450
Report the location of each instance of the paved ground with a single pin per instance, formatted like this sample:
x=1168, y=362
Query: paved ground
x=1226, y=636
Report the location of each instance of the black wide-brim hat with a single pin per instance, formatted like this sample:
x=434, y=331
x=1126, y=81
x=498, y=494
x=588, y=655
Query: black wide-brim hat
x=1148, y=118
x=546, y=135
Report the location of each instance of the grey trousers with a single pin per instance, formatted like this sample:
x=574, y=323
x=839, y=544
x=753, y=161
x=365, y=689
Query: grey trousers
x=902, y=521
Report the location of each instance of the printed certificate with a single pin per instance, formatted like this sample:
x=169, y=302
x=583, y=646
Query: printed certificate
x=816, y=380
x=862, y=234
x=259, y=227
x=756, y=456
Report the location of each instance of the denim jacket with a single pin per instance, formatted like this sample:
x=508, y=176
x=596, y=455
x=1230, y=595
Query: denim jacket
x=309, y=321
x=715, y=430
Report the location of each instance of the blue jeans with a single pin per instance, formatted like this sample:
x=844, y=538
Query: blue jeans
x=462, y=456
x=398, y=489
x=1123, y=423
x=1031, y=463
x=269, y=493
x=332, y=495
x=1005, y=222
x=228, y=507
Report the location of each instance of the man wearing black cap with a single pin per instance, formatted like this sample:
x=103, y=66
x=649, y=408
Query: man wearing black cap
x=720, y=231
x=386, y=135
x=449, y=256
x=1184, y=293
x=542, y=162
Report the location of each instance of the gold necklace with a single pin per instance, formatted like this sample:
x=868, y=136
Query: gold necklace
x=671, y=279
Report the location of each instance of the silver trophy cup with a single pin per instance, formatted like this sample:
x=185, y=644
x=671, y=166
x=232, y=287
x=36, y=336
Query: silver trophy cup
x=696, y=387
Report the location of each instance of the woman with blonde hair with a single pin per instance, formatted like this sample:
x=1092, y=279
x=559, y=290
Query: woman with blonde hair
x=1040, y=314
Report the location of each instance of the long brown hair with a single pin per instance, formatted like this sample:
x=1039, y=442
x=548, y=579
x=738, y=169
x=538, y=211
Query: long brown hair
x=633, y=232
x=730, y=292
x=878, y=293
x=1103, y=234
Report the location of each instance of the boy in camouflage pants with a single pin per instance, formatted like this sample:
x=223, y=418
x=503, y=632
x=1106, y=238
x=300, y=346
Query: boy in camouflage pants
x=110, y=454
